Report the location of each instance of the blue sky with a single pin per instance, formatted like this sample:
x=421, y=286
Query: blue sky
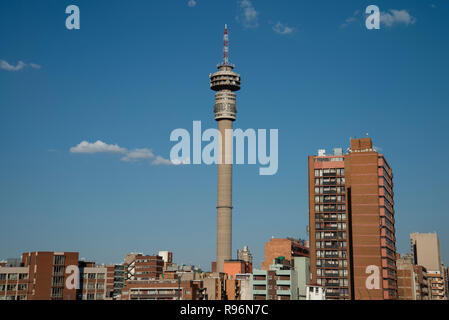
x=136, y=70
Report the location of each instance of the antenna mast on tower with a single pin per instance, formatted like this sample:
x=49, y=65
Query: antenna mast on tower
x=226, y=46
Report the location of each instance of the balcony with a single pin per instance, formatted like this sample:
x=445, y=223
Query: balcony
x=259, y=292
x=283, y=292
x=331, y=284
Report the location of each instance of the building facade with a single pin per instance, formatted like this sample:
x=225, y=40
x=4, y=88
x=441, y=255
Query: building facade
x=162, y=290
x=426, y=252
x=413, y=283
x=277, y=283
x=284, y=247
x=351, y=222
x=301, y=266
x=93, y=283
x=14, y=283
x=144, y=267
x=47, y=274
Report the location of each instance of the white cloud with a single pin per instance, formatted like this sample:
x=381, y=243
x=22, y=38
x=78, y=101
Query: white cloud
x=97, y=147
x=280, y=28
x=133, y=155
x=161, y=161
x=351, y=19
x=248, y=15
x=20, y=65
x=138, y=154
x=396, y=17
x=6, y=66
x=35, y=66
x=191, y=3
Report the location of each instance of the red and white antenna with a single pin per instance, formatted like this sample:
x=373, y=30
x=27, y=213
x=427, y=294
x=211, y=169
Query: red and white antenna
x=226, y=46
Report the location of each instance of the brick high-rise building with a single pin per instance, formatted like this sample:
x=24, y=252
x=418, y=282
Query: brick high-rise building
x=47, y=274
x=351, y=220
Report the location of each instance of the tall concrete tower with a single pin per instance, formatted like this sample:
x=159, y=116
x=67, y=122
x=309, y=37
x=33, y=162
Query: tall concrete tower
x=224, y=82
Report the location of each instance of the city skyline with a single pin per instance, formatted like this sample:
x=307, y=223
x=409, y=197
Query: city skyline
x=118, y=80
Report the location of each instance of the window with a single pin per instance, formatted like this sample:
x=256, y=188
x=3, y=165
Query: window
x=59, y=260
x=2, y=276
x=58, y=281
x=56, y=292
x=23, y=276
x=91, y=276
x=58, y=271
x=12, y=276
x=22, y=287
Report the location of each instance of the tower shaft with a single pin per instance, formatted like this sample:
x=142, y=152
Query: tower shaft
x=224, y=199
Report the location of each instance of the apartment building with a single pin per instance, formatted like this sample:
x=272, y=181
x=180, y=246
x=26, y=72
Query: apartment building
x=351, y=222
x=93, y=284
x=115, y=280
x=436, y=285
x=14, y=283
x=144, y=267
x=277, y=283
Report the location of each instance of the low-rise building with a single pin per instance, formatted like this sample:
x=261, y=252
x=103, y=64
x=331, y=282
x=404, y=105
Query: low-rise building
x=93, y=283
x=277, y=283
x=162, y=290
x=436, y=285
x=315, y=293
x=14, y=283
